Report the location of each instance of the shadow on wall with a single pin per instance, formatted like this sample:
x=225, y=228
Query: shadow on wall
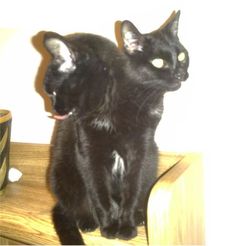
x=117, y=28
x=37, y=42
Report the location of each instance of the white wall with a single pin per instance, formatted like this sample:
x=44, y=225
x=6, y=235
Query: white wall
x=200, y=116
x=19, y=60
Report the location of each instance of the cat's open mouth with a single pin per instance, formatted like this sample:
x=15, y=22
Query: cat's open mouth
x=61, y=117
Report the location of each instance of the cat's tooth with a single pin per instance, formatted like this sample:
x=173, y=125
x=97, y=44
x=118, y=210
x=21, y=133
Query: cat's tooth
x=48, y=114
x=158, y=63
x=181, y=56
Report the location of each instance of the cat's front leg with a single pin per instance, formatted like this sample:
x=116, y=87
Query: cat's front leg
x=98, y=186
x=139, y=178
x=108, y=223
x=130, y=204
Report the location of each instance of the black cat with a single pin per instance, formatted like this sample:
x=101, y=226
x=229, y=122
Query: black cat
x=109, y=102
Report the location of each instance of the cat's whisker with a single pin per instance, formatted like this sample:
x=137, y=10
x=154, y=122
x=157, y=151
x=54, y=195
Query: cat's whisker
x=149, y=81
x=156, y=83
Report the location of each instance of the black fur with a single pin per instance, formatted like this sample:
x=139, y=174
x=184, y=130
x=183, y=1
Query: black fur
x=111, y=101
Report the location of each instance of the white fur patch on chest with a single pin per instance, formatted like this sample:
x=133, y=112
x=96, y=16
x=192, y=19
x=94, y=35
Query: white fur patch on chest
x=102, y=123
x=118, y=165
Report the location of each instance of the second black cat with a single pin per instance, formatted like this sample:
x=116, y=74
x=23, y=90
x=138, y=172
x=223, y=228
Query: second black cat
x=108, y=103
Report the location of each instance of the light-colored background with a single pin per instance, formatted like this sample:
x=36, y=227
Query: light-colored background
x=198, y=117
x=188, y=112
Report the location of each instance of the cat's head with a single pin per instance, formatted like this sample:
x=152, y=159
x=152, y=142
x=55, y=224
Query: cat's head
x=70, y=66
x=161, y=51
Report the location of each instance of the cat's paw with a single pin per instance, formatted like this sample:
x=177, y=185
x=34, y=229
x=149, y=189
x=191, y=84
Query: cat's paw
x=139, y=218
x=110, y=232
x=87, y=224
x=127, y=232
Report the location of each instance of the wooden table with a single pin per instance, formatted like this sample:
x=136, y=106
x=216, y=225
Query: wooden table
x=25, y=206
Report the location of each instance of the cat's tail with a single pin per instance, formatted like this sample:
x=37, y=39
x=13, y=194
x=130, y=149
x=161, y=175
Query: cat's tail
x=66, y=227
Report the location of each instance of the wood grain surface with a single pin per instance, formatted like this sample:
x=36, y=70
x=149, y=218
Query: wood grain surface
x=25, y=206
x=176, y=205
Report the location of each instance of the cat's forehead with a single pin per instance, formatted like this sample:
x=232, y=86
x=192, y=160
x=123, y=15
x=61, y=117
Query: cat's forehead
x=163, y=44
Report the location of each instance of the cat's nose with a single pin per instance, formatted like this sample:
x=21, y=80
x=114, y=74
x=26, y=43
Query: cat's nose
x=181, y=76
x=178, y=76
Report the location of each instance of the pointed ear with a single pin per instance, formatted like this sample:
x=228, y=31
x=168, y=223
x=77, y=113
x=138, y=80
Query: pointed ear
x=60, y=51
x=173, y=23
x=133, y=40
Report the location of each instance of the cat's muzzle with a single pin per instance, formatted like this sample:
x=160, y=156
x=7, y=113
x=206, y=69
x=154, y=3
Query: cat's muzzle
x=181, y=76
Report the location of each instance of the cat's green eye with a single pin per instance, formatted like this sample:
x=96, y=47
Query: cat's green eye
x=158, y=63
x=181, y=57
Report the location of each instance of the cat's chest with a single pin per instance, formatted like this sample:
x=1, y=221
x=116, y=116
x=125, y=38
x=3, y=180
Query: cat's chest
x=102, y=123
x=118, y=168
x=108, y=123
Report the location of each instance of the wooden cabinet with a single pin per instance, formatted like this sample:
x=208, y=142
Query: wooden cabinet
x=25, y=206
x=176, y=205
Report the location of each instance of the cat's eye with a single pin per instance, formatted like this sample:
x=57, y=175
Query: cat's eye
x=181, y=56
x=158, y=63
